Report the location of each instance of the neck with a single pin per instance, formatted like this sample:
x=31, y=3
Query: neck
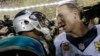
x=36, y=36
x=79, y=30
x=33, y=35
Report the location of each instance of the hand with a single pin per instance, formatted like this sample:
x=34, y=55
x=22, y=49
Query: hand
x=48, y=37
x=4, y=30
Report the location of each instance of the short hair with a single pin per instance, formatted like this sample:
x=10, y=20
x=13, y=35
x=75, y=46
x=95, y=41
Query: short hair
x=71, y=6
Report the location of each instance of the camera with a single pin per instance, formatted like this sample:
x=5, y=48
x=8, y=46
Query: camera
x=7, y=22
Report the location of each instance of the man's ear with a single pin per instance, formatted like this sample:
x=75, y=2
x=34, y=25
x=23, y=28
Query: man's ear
x=75, y=11
x=76, y=14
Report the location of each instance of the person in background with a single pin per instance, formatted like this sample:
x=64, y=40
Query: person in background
x=8, y=23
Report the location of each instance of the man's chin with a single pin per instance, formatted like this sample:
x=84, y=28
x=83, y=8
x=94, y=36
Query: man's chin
x=40, y=34
x=68, y=31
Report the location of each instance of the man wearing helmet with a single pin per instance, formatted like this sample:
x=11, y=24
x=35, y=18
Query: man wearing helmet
x=27, y=41
x=32, y=24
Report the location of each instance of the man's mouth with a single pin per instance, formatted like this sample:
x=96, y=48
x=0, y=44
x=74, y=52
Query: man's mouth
x=61, y=26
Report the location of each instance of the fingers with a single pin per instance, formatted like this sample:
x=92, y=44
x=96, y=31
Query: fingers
x=4, y=30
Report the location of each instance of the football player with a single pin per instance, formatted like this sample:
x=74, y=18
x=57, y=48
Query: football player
x=79, y=39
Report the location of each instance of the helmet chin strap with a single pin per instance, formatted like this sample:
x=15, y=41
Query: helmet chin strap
x=40, y=25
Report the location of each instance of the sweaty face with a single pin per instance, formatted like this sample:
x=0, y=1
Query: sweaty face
x=65, y=17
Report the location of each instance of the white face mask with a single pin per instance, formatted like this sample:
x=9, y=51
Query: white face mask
x=44, y=30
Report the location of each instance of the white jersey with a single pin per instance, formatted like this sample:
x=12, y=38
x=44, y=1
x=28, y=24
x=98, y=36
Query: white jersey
x=89, y=45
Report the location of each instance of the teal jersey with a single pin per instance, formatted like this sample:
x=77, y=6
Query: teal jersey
x=22, y=42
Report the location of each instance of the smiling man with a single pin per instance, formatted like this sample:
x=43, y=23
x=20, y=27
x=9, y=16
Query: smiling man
x=79, y=40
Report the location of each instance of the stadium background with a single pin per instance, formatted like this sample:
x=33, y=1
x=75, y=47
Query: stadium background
x=48, y=10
